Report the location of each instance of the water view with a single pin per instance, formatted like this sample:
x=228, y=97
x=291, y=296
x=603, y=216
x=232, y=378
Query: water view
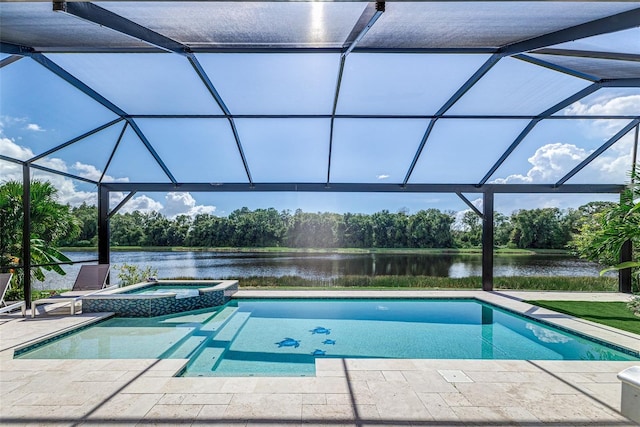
x=220, y=265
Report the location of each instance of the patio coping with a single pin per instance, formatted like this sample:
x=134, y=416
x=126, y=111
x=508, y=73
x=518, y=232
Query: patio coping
x=344, y=391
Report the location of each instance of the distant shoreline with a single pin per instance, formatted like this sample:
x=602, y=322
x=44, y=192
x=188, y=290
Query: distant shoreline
x=283, y=250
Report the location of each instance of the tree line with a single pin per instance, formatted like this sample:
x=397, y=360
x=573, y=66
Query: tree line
x=596, y=231
x=545, y=228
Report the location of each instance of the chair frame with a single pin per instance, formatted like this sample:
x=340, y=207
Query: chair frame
x=78, y=291
x=10, y=307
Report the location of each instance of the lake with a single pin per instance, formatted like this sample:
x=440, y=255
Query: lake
x=220, y=265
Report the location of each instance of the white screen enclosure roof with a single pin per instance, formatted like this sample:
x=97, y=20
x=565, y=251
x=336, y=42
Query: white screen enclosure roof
x=271, y=95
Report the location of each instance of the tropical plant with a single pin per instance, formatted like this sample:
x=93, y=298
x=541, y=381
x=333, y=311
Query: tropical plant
x=602, y=238
x=50, y=222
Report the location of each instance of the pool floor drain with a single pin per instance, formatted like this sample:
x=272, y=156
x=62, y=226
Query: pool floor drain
x=454, y=376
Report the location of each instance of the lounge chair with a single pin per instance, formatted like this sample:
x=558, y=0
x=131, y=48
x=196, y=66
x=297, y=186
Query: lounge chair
x=5, y=279
x=90, y=280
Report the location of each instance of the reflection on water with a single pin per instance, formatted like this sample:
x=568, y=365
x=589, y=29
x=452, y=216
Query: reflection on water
x=547, y=335
x=317, y=266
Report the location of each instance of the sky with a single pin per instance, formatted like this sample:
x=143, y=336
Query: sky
x=39, y=111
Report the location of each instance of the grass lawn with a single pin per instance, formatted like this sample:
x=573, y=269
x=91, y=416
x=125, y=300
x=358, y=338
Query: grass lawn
x=614, y=314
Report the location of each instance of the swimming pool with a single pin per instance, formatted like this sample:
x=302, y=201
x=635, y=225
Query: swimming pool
x=271, y=337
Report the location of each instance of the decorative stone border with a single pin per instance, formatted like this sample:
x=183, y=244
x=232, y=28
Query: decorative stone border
x=212, y=293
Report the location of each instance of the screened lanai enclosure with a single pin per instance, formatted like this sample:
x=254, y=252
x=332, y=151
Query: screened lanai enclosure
x=469, y=98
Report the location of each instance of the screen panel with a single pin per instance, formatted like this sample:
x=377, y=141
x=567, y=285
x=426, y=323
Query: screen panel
x=142, y=83
x=402, y=84
x=236, y=24
x=553, y=148
x=40, y=110
x=196, y=150
x=514, y=87
x=274, y=83
x=462, y=151
x=478, y=24
x=132, y=162
x=286, y=150
x=368, y=150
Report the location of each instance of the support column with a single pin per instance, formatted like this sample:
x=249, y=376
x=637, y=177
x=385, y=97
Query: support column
x=487, y=241
x=103, y=225
x=624, y=275
x=626, y=253
x=26, y=232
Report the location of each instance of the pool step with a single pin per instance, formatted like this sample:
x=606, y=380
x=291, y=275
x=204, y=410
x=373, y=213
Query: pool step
x=205, y=362
x=231, y=328
x=186, y=348
x=212, y=351
x=219, y=320
x=190, y=346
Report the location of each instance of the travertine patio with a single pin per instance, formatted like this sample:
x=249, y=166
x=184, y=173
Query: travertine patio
x=344, y=392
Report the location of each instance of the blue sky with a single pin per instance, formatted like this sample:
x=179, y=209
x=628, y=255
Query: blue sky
x=39, y=111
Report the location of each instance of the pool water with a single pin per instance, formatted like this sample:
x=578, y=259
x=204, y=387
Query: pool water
x=284, y=337
x=181, y=291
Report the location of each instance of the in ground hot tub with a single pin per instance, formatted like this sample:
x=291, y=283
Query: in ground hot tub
x=161, y=297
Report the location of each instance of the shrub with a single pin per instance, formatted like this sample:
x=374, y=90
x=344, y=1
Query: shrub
x=130, y=274
x=634, y=305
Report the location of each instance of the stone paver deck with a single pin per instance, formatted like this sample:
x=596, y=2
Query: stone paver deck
x=344, y=392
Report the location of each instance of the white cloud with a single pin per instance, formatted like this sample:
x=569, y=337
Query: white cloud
x=184, y=203
x=68, y=193
x=10, y=149
x=606, y=105
x=549, y=163
x=34, y=127
x=93, y=173
x=175, y=204
x=382, y=176
x=611, y=104
x=141, y=203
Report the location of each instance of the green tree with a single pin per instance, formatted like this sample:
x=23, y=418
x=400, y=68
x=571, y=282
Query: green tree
x=355, y=231
x=430, y=229
x=539, y=229
x=471, y=232
x=313, y=230
x=502, y=229
x=128, y=229
x=601, y=238
x=51, y=222
x=87, y=218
